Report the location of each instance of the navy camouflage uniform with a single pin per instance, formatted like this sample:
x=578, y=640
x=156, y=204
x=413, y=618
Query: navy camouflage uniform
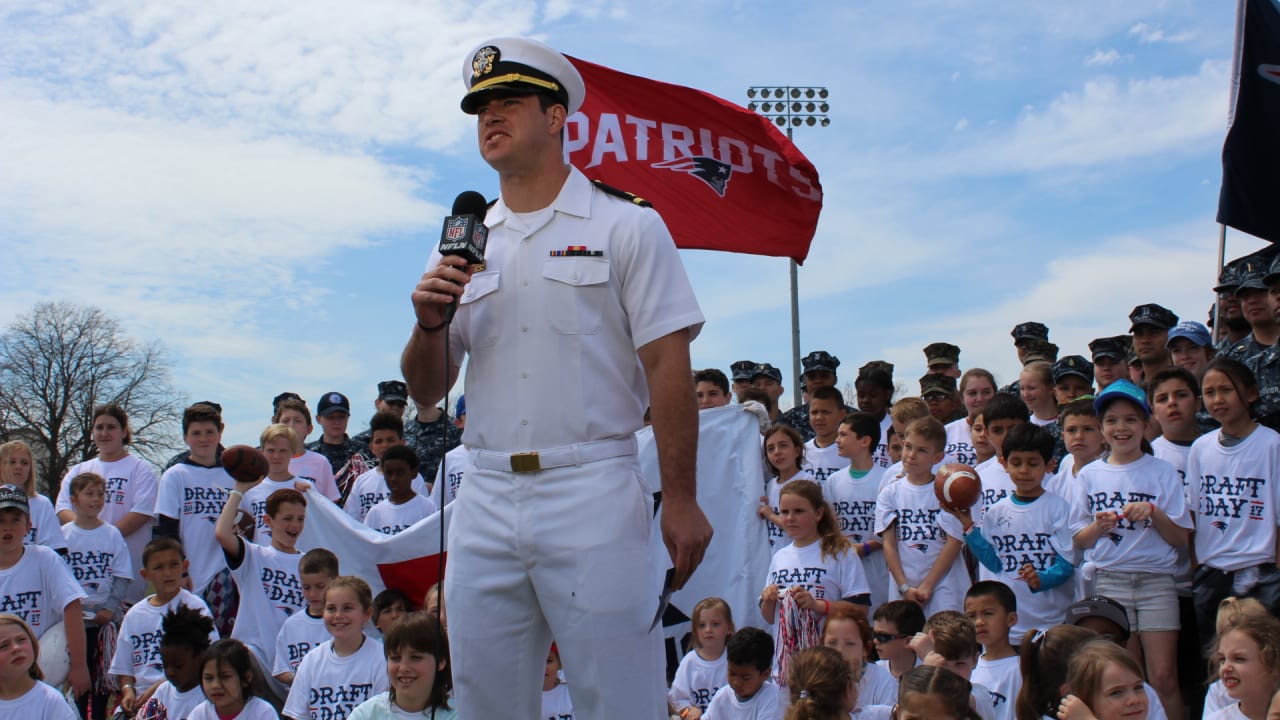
x=349, y=460
x=431, y=441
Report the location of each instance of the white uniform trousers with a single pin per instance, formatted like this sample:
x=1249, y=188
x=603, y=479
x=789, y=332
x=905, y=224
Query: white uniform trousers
x=561, y=554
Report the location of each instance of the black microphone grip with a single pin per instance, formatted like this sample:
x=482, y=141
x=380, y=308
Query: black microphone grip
x=464, y=235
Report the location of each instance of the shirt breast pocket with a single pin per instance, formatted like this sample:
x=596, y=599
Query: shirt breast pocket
x=483, y=321
x=577, y=294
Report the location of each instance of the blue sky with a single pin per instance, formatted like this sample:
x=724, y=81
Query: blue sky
x=259, y=184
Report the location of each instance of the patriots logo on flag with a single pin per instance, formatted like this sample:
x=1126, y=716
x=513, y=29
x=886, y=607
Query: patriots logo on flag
x=709, y=170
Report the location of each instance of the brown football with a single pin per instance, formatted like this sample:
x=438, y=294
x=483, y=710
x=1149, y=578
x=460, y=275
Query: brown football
x=957, y=486
x=245, y=464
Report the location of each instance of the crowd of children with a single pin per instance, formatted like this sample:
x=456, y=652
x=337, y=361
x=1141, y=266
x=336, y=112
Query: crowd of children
x=1120, y=560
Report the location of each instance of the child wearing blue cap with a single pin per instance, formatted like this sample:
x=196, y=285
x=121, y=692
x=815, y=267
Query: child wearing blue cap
x=1129, y=513
x=1191, y=347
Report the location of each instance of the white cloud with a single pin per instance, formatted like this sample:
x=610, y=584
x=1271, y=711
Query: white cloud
x=1106, y=121
x=961, y=124
x=1154, y=34
x=1102, y=58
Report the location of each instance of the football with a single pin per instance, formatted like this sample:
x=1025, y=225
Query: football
x=245, y=464
x=957, y=486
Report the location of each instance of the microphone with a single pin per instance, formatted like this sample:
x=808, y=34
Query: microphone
x=465, y=235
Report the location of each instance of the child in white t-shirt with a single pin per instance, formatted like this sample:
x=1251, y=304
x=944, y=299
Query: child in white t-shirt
x=385, y=431
x=137, y=663
x=784, y=454
x=821, y=455
x=750, y=693
x=992, y=608
x=306, y=464
x=853, y=492
x=921, y=543
x=402, y=507
x=278, y=442
x=1024, y=540
x=416, y=650
x=186, y=637
x=99, y=560
x=267, y=577
x=703, y=670
x=1130, y=512
x=305, y=630
x=556, y=703
x=16, y=468
x=227, y=679
x=36, y=586
x=20, y=677
x=346, y=670
x=850, y=634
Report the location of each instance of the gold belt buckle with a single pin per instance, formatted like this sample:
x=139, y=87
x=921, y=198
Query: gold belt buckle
x=525, y=462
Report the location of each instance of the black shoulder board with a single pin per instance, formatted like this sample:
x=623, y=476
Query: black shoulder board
x=611, y=190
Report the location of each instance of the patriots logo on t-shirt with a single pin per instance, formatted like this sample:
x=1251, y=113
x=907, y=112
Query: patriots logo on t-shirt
x=923, y=548
x=1114, y=537
x=1221, y=525
x=997, y=699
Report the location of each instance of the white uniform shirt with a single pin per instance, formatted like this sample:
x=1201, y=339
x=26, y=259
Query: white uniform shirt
x=553, y=338
x=826, y=578
x=370, y=489
x=390, y=519
x=270, y=591
x=41, y=701
x=922, y=531
x=1032, y=534
x=1130, y=546
x=131, y=487
x=38, y=588
x=316, y=469
x=255, y=503
x=255, y=709
x=44, y=523
x=697, y=680
x=327, y=685
x=1235, y=492
x=761, y=706
x=297, y=636
x=960, y=443
x=854, y=502
x=95, y=557
x=822, y=462
x=1002, y=679
x=138, y=644
x=457, y=462
x=194, y=496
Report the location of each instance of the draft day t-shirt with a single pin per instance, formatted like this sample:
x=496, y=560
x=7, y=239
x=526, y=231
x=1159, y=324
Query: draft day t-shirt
x=822, y=462
x=194, y=495
x=315, y=469
x=131, y=487
x=297, y=636
x=138, y=644
x=1235, y=492
x=41, y=701
x=697, y=680
x=45, y=525
x=1035, y=534
x=761, y=706
x=270, y=591
x=456, y=462
x=370, y=489
x=826, y=578
x=38, y=588
x=96, y=556
x=390, y=519
x=853, y=496
x=773, y=491
x=330, y=687
x=1130, y=546
x=1002, y=678
x=960, y=443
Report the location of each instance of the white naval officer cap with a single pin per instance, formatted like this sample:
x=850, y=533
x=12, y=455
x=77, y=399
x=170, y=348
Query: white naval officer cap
x=520, y=65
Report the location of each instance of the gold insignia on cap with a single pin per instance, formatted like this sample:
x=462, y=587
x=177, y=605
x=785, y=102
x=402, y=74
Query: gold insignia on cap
x=483, y=61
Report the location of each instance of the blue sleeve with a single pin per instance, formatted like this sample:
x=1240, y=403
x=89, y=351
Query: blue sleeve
x=1058, y=573
x=982, y=549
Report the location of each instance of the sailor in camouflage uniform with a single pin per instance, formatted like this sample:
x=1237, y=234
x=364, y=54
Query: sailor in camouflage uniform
x=1266, y=367
x=819, y=371
x=1025, y=336
x=349, y=458
x=1256, y=306
x=1230, y=327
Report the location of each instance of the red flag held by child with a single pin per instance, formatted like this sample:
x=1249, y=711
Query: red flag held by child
x=721, y=176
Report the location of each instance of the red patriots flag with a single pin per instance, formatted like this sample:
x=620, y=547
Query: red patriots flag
x=721, y=176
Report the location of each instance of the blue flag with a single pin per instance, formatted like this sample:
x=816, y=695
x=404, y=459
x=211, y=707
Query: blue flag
x=1250, y=195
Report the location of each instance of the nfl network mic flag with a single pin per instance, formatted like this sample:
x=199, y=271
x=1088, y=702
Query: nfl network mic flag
x=721, y=176
x=1251, y=153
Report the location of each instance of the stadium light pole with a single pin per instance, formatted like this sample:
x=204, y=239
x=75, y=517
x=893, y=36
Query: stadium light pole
x=789, y=106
